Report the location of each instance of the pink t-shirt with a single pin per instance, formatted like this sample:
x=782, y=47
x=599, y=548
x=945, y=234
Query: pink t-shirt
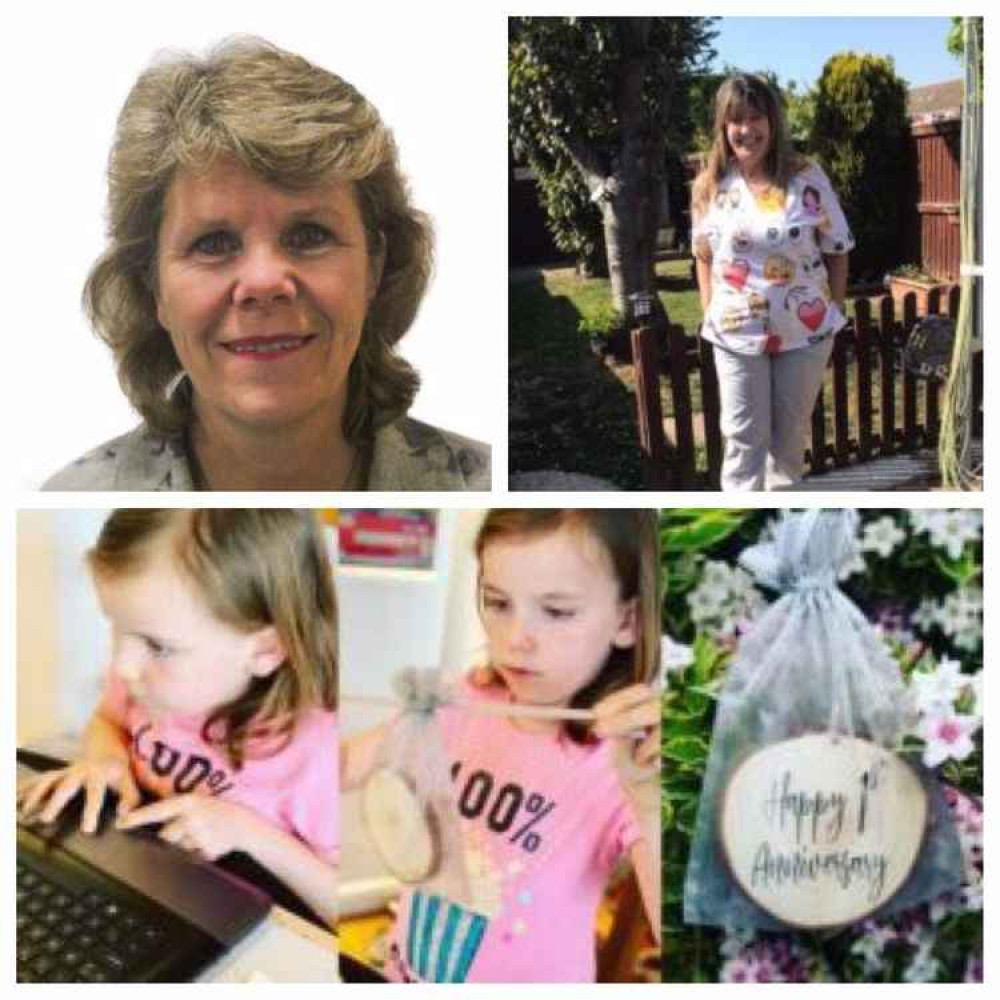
x=544, y=820
x=296, y=789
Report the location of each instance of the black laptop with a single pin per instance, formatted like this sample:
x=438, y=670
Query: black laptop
x=120, y=907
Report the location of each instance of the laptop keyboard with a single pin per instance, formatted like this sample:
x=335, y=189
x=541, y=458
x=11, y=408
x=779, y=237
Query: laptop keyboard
x=80, y=936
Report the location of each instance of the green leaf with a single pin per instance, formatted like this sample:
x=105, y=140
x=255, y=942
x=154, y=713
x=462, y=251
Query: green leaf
x=686, y=749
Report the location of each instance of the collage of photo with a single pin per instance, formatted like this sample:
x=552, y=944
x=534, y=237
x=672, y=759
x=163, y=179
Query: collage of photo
x=266, y=737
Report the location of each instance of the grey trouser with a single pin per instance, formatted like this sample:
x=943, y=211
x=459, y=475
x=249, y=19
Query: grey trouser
x=767, y=401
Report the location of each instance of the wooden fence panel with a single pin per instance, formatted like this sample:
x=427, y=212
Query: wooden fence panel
x=887, y=385
x=817, y=460
x=680, y=388
x=863, y=386
x=909, y=380
x=652, y=441
x=932, y=386
x=937, y=147
x=841, y=414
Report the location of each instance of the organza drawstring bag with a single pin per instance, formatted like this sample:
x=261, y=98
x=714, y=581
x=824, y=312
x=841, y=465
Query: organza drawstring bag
x=809, y=816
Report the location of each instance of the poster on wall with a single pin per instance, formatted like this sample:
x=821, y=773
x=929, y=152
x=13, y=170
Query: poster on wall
x=388, y=538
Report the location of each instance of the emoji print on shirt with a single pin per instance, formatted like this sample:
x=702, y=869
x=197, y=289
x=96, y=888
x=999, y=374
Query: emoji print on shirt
x=811, y=200
x=769, y=244
x=735, y=272
x=779, y=269
x=759, y=306
x=770, y=200
x=742, y=241
x=809, y=308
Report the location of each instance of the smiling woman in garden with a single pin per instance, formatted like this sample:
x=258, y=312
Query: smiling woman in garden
x=771, y=244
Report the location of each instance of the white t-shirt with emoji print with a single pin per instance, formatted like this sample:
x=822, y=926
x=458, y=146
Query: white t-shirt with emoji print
x=770, y=289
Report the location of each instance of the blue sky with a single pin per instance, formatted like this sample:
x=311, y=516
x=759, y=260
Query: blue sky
x=796, y=47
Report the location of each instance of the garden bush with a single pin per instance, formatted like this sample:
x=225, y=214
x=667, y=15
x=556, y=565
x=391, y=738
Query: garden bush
x=860, y=135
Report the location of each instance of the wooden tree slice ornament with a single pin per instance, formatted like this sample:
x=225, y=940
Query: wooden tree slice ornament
x=403, y=829
x=822, y=830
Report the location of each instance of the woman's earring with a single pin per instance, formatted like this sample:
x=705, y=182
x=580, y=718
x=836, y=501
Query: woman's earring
x=174, y=384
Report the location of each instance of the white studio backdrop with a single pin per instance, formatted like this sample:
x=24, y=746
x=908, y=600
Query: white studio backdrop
x=438, y=81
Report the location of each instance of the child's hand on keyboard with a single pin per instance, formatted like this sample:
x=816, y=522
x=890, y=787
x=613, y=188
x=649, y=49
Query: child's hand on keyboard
x=44, y=797
x=206, y=826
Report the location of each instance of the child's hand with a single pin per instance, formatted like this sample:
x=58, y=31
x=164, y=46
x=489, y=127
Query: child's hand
x=205, y=826
x=633, y=713
x=44, y=797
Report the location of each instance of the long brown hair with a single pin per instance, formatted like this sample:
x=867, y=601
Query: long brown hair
x=295, y=125
x=630, y=538
x=732, y=100
x=254, y=568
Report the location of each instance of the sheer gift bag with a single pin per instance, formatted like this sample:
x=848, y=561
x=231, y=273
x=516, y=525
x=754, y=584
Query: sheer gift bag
x=804, y=796
x=408, y=803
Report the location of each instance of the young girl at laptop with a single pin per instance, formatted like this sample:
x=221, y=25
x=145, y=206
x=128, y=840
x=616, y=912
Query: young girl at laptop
x=568, y=600
x=221, y=691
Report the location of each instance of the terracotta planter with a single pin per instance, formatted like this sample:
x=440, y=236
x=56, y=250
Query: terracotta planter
x=900, y=287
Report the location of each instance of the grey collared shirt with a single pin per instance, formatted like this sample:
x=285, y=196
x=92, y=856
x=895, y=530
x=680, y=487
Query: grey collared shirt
x=407, y=455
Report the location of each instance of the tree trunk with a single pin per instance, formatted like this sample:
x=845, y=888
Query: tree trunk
x=632, y=214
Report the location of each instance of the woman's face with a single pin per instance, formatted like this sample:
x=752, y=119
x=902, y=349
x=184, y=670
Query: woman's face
x=749, y=137
x=264, y=293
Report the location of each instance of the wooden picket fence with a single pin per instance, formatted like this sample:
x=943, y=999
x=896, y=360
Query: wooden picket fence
x=887, y=411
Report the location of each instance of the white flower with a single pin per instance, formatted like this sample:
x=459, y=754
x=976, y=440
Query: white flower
x=741, y=584
x=674, y=656
x=947, y=736
x=935, y=692
x=960, y=617
x=724, y=600
x=716, y=574
x=855, y=563
x=923, y=968
x=736, y=940
x=926, y=615
x=969, y=640
x=703, y=605
x=972, y=897
x=871, y=946
x=972, y=599
x=926, y=521
x=882, y=536
x=957, y=529
x=951, y=530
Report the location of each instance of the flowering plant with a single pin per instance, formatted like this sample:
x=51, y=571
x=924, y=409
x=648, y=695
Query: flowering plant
x=918, y=576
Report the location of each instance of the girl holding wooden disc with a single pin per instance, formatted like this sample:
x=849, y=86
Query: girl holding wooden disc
x=552, y=755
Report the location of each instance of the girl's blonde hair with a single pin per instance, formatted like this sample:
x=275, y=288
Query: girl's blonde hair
x=254, y=568
x=737, y=94
x=295, y=125
x=630, y=538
